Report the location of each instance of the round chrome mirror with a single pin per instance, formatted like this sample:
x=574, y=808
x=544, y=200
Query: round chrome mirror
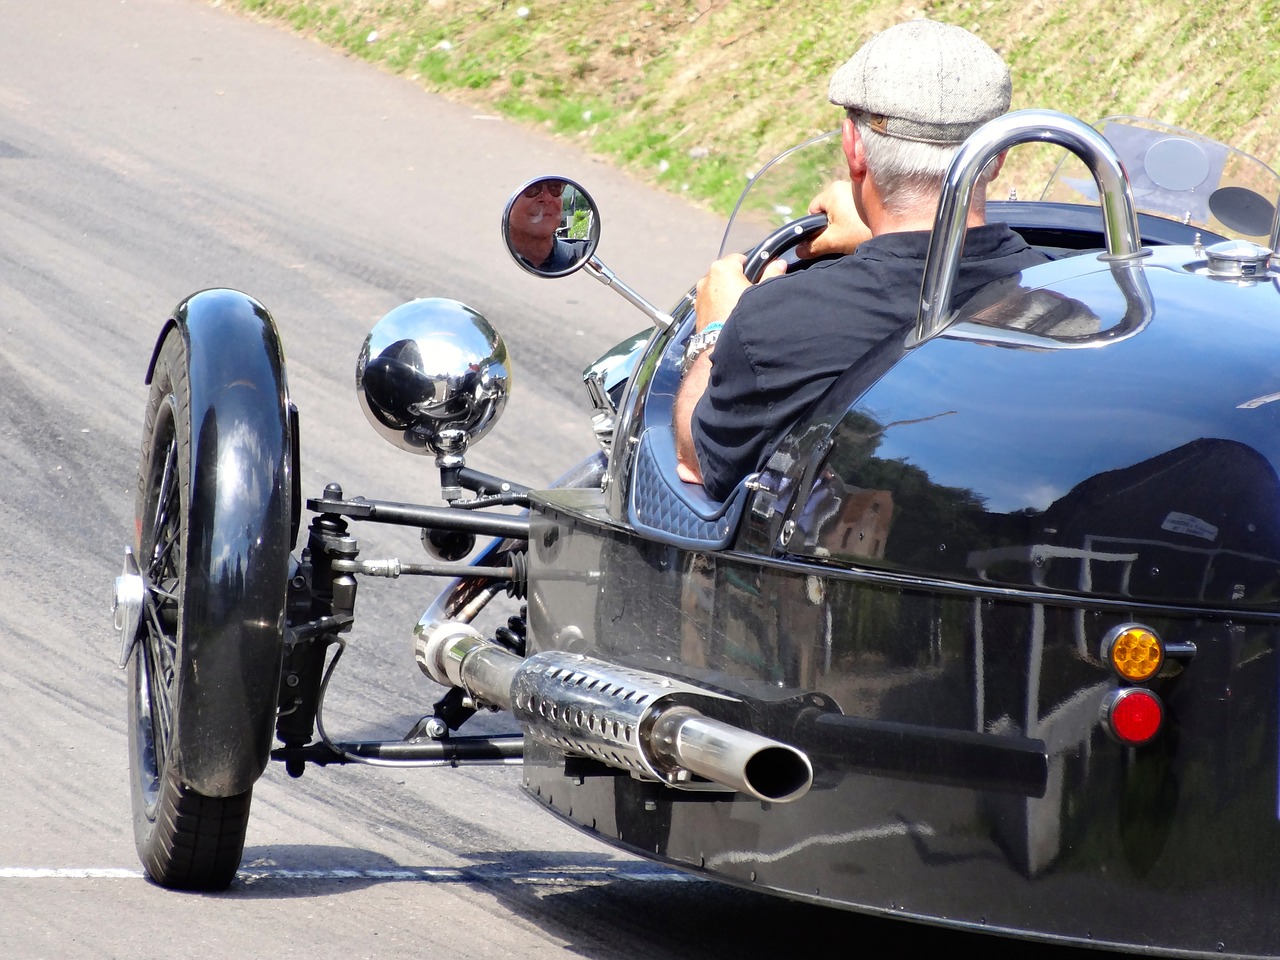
x=433, y=376
x=551, y=226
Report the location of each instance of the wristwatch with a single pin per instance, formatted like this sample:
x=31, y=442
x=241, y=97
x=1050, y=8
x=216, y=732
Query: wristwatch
x=699, y=343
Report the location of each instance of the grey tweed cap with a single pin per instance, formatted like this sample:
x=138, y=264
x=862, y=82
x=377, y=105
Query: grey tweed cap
x=925, y=81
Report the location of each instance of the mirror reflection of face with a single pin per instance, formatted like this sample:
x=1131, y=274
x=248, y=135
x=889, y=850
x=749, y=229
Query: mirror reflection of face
x=550, y=227
x=537, y=210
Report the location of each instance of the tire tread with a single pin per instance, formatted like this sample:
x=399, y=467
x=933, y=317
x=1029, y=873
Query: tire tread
x=197, y=841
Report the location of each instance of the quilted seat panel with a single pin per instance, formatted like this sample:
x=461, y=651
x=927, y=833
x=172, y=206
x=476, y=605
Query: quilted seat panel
x=666, y=508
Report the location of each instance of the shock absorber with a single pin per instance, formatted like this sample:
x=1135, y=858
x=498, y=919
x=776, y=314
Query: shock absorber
x=321, y=606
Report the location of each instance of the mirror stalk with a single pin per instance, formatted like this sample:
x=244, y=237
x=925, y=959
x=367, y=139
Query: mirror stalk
x=595, y=267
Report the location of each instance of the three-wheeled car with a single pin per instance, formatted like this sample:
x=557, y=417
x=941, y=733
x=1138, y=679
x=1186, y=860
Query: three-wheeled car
x=990, y=641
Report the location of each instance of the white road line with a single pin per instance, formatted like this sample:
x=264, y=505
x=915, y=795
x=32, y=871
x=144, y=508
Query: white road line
x=67, y=873
x=429, y=874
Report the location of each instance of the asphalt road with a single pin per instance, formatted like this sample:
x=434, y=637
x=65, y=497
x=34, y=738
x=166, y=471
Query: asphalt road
x=151, y=148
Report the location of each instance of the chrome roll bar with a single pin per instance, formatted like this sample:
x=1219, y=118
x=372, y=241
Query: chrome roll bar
x=1275, y=232
x=1119, y=217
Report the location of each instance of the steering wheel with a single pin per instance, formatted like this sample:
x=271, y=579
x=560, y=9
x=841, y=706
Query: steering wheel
x=782, y=243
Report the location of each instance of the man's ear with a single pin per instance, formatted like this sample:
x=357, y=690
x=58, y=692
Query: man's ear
x=993, y=168
x=855, y=151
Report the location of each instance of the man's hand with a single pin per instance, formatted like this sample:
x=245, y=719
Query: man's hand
x=844, y=230
x=720, y=289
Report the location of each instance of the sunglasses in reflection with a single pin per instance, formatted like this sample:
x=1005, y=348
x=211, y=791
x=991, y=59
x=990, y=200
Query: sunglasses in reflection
x=553, y=187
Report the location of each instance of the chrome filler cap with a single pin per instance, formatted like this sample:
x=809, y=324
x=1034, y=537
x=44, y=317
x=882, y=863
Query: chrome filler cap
x=1237, y=259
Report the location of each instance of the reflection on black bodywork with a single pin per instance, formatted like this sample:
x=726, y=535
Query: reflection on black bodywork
x=1131, y=467
x=1194, y=524
x=1044, y=313
x=893, y=513
x=967, y=748
x=1197, y=523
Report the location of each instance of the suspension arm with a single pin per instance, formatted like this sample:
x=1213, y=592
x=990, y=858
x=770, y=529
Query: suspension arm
x=453, y=751
x=395, y=568
x=415, y=515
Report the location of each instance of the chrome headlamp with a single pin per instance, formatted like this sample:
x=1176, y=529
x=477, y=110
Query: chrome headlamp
x=433, y=376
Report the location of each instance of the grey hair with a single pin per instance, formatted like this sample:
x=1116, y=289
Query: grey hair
x=908, y=173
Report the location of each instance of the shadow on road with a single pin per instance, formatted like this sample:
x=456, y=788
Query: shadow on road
x=607, y=908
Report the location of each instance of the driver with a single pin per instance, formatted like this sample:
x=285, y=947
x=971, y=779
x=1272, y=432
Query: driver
x=535, y=218
x=761, y=355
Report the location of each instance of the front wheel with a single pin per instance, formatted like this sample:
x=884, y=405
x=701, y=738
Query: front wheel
x=185, y=840
x=213, y=537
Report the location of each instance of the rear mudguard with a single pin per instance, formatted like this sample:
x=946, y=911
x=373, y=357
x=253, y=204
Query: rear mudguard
x=243, y=502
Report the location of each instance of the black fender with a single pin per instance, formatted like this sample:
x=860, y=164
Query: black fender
x=243, y=506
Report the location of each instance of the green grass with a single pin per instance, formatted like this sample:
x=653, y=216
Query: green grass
x=693, y=95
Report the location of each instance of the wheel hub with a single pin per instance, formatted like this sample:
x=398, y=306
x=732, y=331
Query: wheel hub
x=126, y=604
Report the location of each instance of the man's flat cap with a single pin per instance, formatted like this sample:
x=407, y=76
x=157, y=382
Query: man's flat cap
x=925, y=81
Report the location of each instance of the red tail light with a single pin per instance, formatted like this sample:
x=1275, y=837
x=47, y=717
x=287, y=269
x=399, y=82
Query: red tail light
x=1132, y=715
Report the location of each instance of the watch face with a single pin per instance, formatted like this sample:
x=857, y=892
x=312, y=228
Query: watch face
x=698, y=343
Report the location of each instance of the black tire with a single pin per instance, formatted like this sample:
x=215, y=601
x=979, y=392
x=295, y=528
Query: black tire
x=185, y=840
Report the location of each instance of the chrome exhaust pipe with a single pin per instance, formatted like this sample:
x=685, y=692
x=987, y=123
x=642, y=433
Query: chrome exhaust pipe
x=644, y=723
x=735, y=758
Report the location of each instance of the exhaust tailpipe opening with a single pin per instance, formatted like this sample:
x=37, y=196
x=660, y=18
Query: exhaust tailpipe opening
x=779, y=774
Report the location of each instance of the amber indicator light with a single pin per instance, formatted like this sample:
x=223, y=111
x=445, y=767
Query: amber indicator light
x=1134, y=652
x=1133, y=715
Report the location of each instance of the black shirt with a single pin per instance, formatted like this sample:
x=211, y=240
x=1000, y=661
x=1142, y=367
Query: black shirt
x=789, y=338
x=564, y=254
